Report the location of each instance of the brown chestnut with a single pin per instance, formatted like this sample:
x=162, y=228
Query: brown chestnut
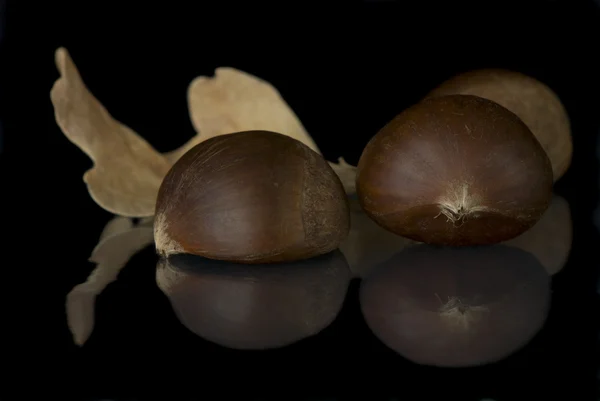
x=255, y=307
x=456, y=307
x=251, y=197
x=534, y=102
x=455, y=170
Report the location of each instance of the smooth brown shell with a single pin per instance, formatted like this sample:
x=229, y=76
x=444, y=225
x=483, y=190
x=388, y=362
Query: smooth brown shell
x=456, y=307
x=455, y=170
x=251, y=197
x=255, y=307
x=534, y=102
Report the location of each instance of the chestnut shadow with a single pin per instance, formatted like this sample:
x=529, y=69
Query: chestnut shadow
x=255, y=306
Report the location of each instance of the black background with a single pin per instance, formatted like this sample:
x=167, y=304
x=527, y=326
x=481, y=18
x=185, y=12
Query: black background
x=345, y=69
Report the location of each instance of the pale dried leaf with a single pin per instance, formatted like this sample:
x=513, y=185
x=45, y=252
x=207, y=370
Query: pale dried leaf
x=127, y=171
x=110, y=255
x=347, y=174
x=234, y=101
x=116, y=225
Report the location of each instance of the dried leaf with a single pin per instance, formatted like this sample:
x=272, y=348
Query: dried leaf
x=116, y=225
x=347, y=174
x=127, y=171
x=111, y=254
x=234, y=101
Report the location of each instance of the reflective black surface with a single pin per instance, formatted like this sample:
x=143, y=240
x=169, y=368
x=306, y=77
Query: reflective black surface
x=345, y=75
x=496, y=313
x=421, y=306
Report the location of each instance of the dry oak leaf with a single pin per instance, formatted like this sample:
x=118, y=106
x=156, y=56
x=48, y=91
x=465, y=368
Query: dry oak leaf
x=234, y=101
x=347, y=174
x=127, y=171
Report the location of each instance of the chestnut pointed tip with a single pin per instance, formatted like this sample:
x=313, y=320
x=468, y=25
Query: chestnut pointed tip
x=460, y=315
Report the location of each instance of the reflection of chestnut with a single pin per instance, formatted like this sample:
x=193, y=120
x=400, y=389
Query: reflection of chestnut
x=456, y=307
x=455, y=170
x=251, y=197
x=535, y=104
x=254, y=307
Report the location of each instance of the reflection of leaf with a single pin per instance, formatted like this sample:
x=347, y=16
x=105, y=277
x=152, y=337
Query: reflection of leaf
x=127, y=171
x=111, y=254
x=115, y=226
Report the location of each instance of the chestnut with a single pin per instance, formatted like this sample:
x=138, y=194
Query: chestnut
x=456, y=307
x=251, y=197
x=534, y=102
x=455, y=170
x=254, y=307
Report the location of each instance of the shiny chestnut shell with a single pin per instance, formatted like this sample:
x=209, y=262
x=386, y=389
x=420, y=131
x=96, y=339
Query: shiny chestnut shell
x=455, y=170
x=251, y=197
